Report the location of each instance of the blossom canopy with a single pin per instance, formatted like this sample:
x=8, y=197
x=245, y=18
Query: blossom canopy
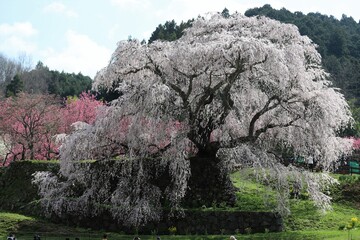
x=233, y=81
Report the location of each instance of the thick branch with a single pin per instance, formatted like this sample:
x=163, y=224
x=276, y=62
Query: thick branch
x=265, y=109
x=270, y=126
x=159, y=151
x=253, y=134
x=225, y=94
x=184, y=97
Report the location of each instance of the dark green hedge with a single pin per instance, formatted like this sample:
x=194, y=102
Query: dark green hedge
x=17, y=193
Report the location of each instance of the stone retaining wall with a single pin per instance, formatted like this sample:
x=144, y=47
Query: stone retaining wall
x=194, y=222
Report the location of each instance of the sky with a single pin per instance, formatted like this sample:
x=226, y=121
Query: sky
x=80, y=35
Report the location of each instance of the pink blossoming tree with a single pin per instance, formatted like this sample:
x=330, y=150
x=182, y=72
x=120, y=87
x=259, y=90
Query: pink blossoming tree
x=79, y=109
x=29, y=122
x=27, y=125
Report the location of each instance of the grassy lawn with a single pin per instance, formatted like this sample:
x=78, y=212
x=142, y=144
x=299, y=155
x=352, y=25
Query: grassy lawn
x=11, y=222
x=300, y=235
x=252, y=196
x=305, y=216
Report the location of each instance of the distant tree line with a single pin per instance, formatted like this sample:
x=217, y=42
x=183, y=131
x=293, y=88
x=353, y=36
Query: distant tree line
x=170, y=31
x=15, y=77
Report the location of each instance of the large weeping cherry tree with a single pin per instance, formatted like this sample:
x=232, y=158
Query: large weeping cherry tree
x=231, y=91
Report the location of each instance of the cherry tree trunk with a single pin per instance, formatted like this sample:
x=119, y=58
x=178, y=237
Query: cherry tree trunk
x=208, y=185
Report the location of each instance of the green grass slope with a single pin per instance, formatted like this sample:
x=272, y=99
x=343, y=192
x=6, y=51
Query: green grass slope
x=304, y=216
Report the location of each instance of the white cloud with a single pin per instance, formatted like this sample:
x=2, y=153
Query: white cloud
x=113, y=33
x=16, y=38
x=59, y=8
x=24, y=29
x=131, y=3
x=15, y=45
x=81, y=54
x=183, y=10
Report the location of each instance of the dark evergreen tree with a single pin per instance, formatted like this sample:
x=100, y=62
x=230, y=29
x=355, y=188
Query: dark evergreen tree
x=170, y=31
x=225, y=13
x=68, y=84
x=14, y=87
